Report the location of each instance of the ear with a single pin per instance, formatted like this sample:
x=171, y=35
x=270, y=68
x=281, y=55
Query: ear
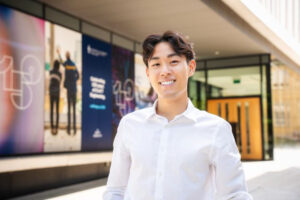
x=192, y=67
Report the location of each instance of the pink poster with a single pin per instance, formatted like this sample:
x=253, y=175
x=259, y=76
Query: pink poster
x=21, y=83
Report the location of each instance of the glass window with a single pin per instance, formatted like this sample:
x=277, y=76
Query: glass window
x=197, y=89
x=234, y=82
x=285, y=103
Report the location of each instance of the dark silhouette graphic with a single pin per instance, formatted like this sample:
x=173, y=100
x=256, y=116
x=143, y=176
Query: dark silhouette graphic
x=71, y=77
x=54, y=89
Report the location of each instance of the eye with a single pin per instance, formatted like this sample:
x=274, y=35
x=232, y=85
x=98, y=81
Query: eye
x=155, y=65
x=174, y=61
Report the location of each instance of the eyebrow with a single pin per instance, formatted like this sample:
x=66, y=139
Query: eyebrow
x=169, y=56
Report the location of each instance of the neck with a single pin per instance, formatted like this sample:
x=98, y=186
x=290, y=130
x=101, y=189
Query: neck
x=169, y=108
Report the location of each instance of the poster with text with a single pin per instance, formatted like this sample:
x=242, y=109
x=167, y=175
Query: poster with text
x=62, y=89
x=21, y=83
x=123, y=84
x=96, y=95
x=144, y=93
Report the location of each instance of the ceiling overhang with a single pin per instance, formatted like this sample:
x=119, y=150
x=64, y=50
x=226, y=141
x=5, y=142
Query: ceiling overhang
x=211, y=34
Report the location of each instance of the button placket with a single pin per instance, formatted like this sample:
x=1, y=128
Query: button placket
x=161, y=161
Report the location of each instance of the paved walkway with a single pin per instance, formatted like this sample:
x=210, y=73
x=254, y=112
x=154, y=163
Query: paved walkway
x=275, y=180
x=267, y=180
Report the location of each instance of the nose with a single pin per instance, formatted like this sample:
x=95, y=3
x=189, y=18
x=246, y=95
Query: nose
x=165, y=69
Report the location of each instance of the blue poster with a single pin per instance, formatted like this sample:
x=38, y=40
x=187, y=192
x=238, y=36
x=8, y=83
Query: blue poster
x=96, y=95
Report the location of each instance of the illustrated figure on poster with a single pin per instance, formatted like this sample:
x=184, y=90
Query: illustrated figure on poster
x=123, y=95
x=71, y=78
x=28, y=73
x=54, y=90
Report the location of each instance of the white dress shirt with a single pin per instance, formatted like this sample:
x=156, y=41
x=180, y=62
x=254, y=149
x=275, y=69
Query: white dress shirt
x=192, y=157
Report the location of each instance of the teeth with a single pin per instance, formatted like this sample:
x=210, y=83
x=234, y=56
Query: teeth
x=167, y=82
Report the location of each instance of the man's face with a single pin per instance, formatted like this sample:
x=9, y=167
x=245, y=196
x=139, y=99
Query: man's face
x=168, y=72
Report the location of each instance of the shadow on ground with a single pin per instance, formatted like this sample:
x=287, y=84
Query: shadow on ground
x=281, y=185
x=64, y=190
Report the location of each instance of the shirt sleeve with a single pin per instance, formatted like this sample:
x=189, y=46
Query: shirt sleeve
x=120, y=166
x=229, y=174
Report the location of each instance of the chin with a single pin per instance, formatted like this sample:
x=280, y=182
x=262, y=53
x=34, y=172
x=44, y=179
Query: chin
x=172, y=95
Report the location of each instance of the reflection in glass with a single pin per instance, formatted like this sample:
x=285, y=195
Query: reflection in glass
x=285, y=104
x=234, y=82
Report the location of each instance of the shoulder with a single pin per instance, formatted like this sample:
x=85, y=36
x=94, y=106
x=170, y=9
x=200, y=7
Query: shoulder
x=137, y=116
x=221, y=128
x=72, y=62
x=133, y=121
x=214, y=124
x=220, y=123
x=208, y=118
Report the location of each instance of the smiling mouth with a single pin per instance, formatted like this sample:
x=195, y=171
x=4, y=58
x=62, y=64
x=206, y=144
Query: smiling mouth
x=167, y=82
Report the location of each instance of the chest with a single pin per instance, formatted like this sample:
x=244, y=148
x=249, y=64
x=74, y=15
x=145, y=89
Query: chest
x=178, y=144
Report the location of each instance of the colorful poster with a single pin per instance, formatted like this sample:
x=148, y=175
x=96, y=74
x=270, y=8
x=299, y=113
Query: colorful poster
x=21, y=83
x=123, y=84
x=62, y=89
x=97, y=93
x=144, y=93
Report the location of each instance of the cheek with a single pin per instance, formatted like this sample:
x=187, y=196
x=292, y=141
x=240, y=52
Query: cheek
x=152, y=76
x=152, y=80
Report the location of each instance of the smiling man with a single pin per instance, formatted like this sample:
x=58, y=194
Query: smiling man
x=173, y=151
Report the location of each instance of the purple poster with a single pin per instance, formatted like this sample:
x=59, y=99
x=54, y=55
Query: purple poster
x=123, y=84
x=21, y=83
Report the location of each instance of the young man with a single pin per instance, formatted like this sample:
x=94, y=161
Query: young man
x=173, y=151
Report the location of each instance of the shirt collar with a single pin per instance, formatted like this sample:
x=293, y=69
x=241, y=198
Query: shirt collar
x=152, y=111
x=189, y=113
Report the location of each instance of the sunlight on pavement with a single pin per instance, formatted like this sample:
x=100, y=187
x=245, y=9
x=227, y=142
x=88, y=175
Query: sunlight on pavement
x=93, y=193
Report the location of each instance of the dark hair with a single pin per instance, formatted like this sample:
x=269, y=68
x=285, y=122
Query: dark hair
x=179, y=44
x=56, y=65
